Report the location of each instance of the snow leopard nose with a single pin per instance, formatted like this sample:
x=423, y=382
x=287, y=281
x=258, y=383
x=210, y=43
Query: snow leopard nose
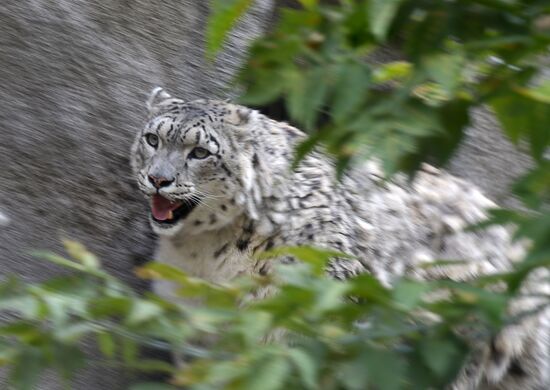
x=160, y=182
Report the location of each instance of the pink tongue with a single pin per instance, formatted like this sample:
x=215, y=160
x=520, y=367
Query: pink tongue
x=161, y=207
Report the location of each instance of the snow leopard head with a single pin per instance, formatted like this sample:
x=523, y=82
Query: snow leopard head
x=199, y=163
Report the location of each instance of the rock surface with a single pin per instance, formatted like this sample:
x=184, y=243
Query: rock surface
x=74, y=77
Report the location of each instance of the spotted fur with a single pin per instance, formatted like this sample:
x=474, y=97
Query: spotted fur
x=250, y=201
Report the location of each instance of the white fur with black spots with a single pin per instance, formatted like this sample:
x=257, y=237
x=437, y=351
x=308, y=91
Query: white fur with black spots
x=221, y=187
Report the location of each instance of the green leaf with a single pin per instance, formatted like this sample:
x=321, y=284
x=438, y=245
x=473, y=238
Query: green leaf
x=142, y=310
x=58, y=308
x=224, y=15
x=376, y=368
x=439, y=147
x=331, y=296
x=540, y=93
x=67, y=359
x=156, y=270
x=78, y=252
x=534, y=187
x=254, y=326
x=524, y=117
x=262, y=91
x=417, y=120
x=109, y=306
x=27, y=368
x=270, y=374
x=391, y=148
x=350, y=90
x=305, y=147
x=381, y=14
x=317, y=257
x=427, y=32
x=309, y=3
x=306, y=365
x=25, y=331
x=106, y=344
x=69, y=264
x=213, y=294
x=28, y=306
x=445, y=69
x=454, y=116
x=306, y=94
x=386, y=369
x=444, y=355
x=392, y=71
x=368, y=287
x=354, y=374
x=221, y=373
x=130, y=350
x=7, y=354
x=74, y=332
x=490, y=304
x=408, y=294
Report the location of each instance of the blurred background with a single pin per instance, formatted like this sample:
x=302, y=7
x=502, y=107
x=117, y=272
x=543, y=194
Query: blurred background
x=74, y=76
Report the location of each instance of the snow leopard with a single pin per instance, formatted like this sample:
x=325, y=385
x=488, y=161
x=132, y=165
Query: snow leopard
x=222, y=189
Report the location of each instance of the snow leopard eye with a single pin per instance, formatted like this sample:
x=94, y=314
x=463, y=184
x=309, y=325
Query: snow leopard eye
x=199, y=153
x=152, y=139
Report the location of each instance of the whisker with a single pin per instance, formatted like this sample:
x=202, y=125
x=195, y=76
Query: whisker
x=200, y=200
x=206, y=193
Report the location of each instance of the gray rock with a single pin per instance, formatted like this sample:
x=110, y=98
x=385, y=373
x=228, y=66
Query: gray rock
x=486, y=157
x=4, y=219
x=74, y=76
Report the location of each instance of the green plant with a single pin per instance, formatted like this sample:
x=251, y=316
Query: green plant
x=376, y=338
x=456, y=55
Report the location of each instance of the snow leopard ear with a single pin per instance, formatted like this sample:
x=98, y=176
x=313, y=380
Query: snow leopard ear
x=237, y=115
x=158, y=100
x=157, y=95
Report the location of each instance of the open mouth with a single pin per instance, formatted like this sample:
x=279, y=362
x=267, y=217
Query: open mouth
x=167, y=212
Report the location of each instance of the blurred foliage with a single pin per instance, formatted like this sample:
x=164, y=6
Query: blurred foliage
x=352, y=334
x=458, y=54
x=225, y=14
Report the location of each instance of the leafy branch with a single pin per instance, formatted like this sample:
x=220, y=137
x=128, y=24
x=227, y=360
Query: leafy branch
x=336, y=342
